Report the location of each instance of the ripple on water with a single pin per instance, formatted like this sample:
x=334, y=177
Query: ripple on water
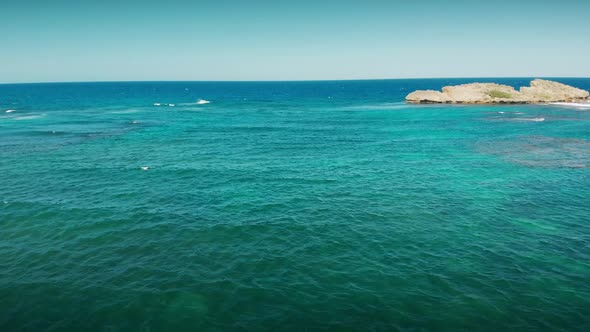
x=288, y=213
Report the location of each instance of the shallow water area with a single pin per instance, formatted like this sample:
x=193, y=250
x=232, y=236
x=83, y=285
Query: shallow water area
x=542, y=151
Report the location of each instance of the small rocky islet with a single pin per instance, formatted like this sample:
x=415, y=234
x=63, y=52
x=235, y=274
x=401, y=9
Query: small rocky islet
x=540, y=91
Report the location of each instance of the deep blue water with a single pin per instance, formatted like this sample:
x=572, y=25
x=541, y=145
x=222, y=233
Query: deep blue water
x=290, y=206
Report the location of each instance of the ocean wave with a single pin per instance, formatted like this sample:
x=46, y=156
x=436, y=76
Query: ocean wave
x=125, y=111
x=164, y=104
x=575, y=105
x=515, y=119
x=506, y=113
x=29, y=117
x=530, y=119
x=198, y=102
x=45, y=133
x=383, y=106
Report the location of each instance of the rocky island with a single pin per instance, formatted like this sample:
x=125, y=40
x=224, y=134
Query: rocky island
x=539, y=91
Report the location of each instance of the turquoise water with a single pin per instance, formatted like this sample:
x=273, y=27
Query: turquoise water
x=290, y=207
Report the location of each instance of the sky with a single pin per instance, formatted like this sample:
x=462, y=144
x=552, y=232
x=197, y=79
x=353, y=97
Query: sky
x=204, y=40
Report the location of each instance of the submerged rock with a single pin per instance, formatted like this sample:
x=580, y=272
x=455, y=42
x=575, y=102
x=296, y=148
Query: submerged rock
x=540, y=91
x=183, y=310
x=540, y=151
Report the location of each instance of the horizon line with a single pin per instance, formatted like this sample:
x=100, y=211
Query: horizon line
x=297, y=80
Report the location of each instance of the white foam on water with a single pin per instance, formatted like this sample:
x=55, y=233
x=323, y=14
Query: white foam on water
x=515, y=119
x=171, y=105
x=10, y=111
x=157, y=104
x=577, y=105
x=531, y=119
x=202, y=102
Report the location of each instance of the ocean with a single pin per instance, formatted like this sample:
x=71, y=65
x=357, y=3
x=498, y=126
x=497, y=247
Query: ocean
x=290, y=206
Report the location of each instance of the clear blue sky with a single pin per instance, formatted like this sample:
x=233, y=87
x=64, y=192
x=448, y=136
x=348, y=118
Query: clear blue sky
x=65, y=40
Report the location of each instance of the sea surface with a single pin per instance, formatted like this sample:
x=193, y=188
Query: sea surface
x=290, y=206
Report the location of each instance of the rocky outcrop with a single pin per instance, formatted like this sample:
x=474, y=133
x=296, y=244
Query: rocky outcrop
x=540, y=91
